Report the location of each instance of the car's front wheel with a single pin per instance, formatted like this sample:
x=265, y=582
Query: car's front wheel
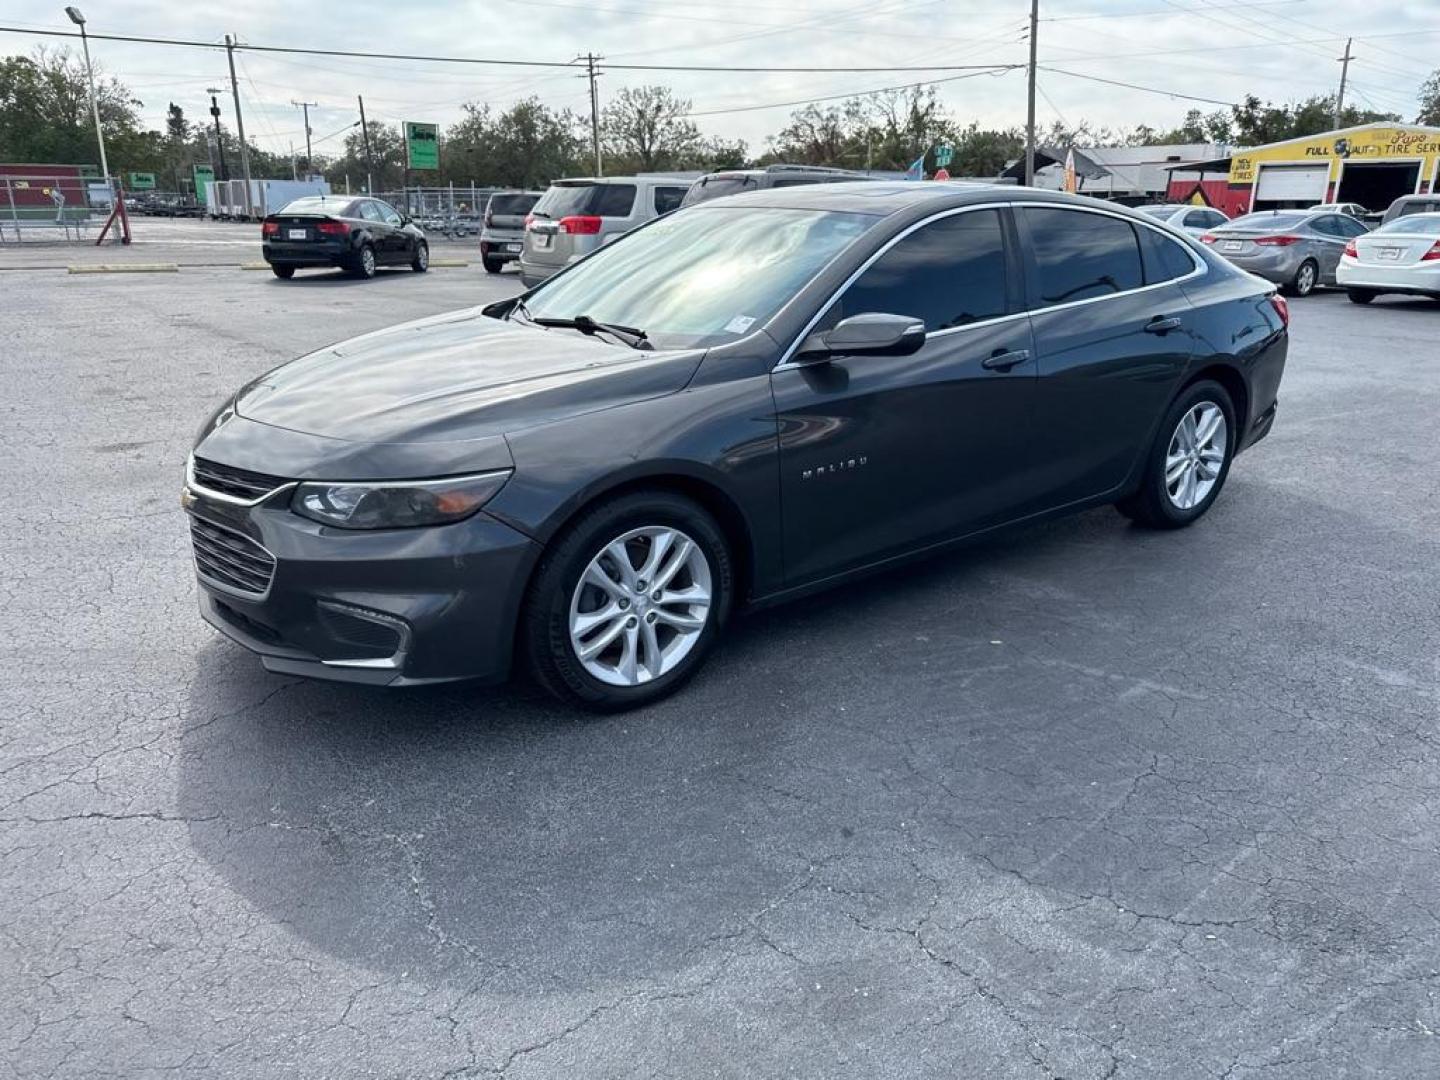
x=1189, y=461
x=628, y=601
x=421, y=262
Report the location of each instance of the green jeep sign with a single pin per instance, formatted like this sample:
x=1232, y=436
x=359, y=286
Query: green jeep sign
x=203, y=175
x=142, y=181
x=422, y=145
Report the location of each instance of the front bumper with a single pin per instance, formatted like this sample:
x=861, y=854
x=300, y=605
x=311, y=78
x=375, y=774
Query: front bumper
x=1422, y=278
x=384, y=607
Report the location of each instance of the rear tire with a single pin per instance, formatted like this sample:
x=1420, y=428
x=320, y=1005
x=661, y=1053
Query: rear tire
x=1361, y=296
x=1163, y=500
x=421, y=262
x=284, y=273
x=661, y=659
x=363, y=265
x=492, y=266
x=1307, y=276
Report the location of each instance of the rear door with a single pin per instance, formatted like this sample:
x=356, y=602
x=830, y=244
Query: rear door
x=1332, y=232
x=883, y=454
x=1112, y=337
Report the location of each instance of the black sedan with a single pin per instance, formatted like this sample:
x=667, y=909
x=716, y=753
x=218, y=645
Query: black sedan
x=356, y=235
x=740, y=403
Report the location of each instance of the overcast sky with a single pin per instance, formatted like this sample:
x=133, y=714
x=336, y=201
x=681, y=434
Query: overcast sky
x=1221, y=49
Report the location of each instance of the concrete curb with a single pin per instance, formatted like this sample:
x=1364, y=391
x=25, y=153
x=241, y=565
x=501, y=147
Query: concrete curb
x=449, y=263
x=125, y=268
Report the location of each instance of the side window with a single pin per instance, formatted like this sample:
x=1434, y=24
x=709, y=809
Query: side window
x=1354, y=227
x=1165, y=259
x=1080, y=255
x=1329, y=225
x=948, y=273
x=388, y=213
x=1214, y=219
x=668, y=198
x=615, y=200
x=795, y=181
x=369, y=211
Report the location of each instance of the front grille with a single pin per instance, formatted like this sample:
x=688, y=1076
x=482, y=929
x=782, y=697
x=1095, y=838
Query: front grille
x=230, y=559
x=241, y=483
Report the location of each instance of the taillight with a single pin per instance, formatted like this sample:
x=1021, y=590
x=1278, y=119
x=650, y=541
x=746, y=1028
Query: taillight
x=333, y=228
x=580, y=225
x=1352, y=250
x=1282, y=308
x=1276, y=241
x=1208, y=238
x=1433, y=254
x=269, y=228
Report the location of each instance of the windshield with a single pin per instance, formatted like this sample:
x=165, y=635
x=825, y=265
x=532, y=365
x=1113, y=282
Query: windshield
x=512, y=204
x=1274, y=222
x=703, y=276
x=1426, y=225
x=712, y=187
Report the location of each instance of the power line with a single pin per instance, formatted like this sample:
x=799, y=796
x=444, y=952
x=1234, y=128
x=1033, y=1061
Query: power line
x=853, y=94
x=1134, y=86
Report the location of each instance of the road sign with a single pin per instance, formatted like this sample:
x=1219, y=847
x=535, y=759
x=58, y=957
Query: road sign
x=142, y=181
x=422, y=145
x=941, y=174
x=204, y=174
x=944, y=155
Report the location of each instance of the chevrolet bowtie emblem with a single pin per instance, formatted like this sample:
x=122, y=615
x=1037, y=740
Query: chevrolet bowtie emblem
x=187, y=498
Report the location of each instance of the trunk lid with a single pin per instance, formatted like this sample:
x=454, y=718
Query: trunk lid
x=1393, y=249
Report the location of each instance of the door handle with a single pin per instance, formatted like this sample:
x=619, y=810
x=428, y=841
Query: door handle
x=1160, y=325
x=1004, y=360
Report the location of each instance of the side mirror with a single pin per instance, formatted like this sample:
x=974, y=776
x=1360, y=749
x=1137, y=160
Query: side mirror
x=870, y=334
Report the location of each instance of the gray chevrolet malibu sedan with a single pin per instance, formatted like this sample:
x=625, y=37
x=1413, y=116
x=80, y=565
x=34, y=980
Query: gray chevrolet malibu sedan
x=739, y=403
x=1297, y=249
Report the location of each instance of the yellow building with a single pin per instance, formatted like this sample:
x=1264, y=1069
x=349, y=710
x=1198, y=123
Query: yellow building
x=1372, y=165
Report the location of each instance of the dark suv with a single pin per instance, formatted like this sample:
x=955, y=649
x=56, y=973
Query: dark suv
x=503, y=235
x=737, y=181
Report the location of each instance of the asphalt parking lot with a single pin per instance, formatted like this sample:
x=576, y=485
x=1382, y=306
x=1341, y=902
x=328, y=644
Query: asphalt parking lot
x=1081, y=802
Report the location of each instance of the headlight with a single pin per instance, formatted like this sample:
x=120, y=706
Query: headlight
x=397, y=504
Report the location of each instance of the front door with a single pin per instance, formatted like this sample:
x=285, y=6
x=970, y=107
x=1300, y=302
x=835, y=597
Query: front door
x=881, y=454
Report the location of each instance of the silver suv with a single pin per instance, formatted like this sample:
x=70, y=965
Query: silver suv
x=575, y=217
x=735, y=181
x=504, y=228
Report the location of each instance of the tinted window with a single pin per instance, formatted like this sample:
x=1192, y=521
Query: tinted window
x=511, y=204
x=1164, y=258
x=605, y=200
x=1329, y=225
x=796, y=180
x=388, y=212
x=1419, y=206
x=370, y=212
x=1080, y=255
x=668, y=198
x=712, y=187
x=1266, y=220
x=948, y=273
x=1351, y=227
x=316, y=205
x=1198, y=219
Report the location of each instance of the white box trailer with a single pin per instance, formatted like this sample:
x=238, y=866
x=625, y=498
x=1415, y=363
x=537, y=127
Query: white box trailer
x=226, y=198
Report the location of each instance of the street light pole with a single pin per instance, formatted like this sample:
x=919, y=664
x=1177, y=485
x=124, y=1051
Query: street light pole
x=79, y=20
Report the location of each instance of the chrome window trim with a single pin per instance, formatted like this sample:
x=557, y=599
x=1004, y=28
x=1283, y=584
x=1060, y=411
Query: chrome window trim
x=1201, y=268
x=197, y=488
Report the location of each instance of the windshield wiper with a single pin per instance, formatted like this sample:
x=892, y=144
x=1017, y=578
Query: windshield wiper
x=630, y=335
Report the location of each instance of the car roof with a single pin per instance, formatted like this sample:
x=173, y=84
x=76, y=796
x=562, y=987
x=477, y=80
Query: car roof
x=885, y=197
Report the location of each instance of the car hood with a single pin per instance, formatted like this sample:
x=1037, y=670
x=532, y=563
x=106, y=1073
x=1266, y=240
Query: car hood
x=458, y=376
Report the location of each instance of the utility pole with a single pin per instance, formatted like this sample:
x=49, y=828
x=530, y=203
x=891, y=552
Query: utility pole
x=369, y=161
x=590, y=59
x=240, y=126
x=1030, y=107
x=1344, y=75
x=305, y=107
x=224, y=173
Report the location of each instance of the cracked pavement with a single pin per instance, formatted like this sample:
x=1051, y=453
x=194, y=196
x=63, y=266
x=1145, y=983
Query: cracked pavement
x=1080, y=802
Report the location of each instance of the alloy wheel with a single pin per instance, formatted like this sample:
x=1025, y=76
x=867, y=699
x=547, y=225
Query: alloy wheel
x=422, y=256
x=1196, y=455
x=1305, y=279
x=367, y=262
x=640, y=606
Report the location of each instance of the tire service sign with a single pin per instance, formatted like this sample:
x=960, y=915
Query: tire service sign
x=422, y=145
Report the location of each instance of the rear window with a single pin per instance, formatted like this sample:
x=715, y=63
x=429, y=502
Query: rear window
x=1429, y=225
x=1419, y=206
x=316, y=205
x=597, y=200
x=1157, y=211
x=512, y=204
x=1277, y=222
x=712, y=187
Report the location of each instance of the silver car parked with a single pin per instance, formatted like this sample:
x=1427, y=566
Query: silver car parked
x=1195, y=220
x=575, y=217
x=1296, y=249
x=504, y=227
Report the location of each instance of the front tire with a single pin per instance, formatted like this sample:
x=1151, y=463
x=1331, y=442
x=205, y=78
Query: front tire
x=284, y=273
x=421, y=262
x=628, y=601
x=1361, y=296
x=1189, y=461
x=1307, y=276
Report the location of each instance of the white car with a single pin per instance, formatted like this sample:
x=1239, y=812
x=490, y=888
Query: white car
x=1195, y=220
x=1401, y=257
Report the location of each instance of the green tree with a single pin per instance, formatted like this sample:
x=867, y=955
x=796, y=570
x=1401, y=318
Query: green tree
x=1430, y=101
x=645, y=129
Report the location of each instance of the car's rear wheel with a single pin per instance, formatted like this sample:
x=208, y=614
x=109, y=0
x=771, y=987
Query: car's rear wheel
x=421, y=262
x=282, y=271
x=628, y=601
x=1189, y=461
x=492, y=266
x=363, y=265
x=1307, y=276
x=1361, y=296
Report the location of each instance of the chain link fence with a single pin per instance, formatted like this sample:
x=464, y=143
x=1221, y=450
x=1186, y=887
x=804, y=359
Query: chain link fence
x=54, y=206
